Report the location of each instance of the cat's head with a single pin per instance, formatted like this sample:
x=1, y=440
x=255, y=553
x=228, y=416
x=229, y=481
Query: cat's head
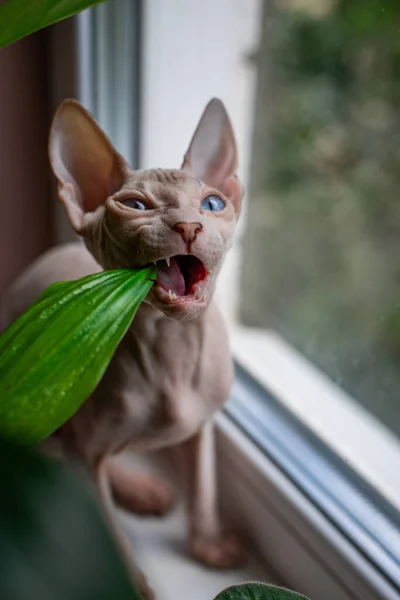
x=182, y=220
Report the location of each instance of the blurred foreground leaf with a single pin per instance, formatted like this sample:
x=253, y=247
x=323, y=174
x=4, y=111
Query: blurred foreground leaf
x=19, y=18
x=55, y=354
x=258, y=591
x=53, y=543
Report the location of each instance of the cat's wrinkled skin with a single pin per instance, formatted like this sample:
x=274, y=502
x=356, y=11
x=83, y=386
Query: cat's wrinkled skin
x=173, y=368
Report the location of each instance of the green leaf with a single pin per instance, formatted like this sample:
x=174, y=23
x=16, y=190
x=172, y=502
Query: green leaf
x=19, y=18
x=53, y=542
x=258, y=591
x=55, y=354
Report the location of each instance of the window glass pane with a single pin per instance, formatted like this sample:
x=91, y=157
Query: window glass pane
x=321, y=252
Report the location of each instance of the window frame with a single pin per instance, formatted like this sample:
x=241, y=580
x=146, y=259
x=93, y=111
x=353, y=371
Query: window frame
x=291, y=534
x=327, y=484
x=323, y=407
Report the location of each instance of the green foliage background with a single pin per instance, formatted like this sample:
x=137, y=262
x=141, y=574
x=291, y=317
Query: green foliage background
x=324, y=217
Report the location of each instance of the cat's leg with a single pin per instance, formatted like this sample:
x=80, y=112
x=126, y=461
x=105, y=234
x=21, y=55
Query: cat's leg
x=208, y=542
x=102, y=481
x=138, y=493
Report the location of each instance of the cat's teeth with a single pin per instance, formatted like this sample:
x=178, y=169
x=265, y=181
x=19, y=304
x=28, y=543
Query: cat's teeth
x=172, y=295
x=199, y=290
x=168, y=261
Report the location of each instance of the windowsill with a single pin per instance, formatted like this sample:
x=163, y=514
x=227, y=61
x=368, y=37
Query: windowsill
x=354, y=434
x=294, y=542
x=158, y=545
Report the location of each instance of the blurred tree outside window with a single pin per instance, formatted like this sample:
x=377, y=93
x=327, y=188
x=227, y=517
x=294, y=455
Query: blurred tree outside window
x=322, y=250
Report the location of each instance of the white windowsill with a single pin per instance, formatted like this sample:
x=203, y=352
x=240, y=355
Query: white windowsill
x=158, y=545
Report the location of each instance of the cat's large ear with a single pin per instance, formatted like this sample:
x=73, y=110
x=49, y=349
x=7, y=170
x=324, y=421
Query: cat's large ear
x=87, y=167
x=212, y=154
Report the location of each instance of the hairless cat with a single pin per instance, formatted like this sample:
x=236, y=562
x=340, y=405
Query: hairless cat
x=173, y=369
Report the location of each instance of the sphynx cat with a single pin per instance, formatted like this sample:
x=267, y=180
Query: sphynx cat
x=173, y=369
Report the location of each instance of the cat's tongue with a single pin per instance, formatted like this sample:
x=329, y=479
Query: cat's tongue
x=170, y=277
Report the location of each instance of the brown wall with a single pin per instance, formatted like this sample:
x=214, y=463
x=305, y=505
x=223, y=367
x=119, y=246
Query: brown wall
x=63, y=84
x=25, y=206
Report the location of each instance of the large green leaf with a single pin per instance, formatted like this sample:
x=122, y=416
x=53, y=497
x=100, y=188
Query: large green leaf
x=54, y=355
x=22, y=17
x=53, y=542
x=258, y=591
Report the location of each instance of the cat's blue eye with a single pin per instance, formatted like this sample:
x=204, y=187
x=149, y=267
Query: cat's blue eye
x=136, y=204
x=213, y=203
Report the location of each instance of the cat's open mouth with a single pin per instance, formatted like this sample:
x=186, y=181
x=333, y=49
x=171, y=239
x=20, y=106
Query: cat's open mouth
x=181, y=277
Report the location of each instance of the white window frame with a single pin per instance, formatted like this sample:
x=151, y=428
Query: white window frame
x=290, y=533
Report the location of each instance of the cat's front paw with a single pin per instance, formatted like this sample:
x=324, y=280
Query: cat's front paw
x=222, y=552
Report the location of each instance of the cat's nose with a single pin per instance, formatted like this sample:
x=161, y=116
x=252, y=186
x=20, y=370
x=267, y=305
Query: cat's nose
x=188, y=231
